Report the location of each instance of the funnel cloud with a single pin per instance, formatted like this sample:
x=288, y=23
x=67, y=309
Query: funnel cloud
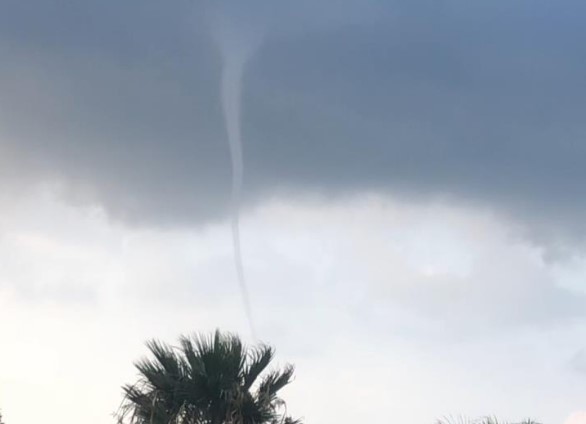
x=235, y=49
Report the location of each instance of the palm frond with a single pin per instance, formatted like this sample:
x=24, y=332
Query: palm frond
x=489, y=419
x=258, y=360
x=275, y=381
x=207, y=379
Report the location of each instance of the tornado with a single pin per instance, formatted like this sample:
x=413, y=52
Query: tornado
x=234, y=62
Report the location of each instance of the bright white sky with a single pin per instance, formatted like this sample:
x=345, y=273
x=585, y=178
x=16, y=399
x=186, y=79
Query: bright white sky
x=415, y=311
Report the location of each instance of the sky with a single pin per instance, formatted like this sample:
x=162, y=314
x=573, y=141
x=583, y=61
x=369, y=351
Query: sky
x=411, y=212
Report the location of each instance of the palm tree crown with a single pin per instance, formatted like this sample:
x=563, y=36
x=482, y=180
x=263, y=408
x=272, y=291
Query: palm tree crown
x=213, y=379
x=485, y=420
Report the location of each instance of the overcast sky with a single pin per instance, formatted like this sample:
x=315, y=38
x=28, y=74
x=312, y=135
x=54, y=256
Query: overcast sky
x=413, y=205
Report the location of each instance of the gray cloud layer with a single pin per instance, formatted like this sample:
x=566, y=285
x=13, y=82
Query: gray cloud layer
x=484, y=101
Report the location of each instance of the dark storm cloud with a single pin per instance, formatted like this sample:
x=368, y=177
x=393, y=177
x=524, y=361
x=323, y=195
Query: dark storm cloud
x=120, y=99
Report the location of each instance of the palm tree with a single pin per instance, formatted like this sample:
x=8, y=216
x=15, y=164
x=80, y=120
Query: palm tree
x=485, y=420
x=212, y=379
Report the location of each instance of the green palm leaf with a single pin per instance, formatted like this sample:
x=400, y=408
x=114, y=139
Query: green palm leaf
x=207, y=379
